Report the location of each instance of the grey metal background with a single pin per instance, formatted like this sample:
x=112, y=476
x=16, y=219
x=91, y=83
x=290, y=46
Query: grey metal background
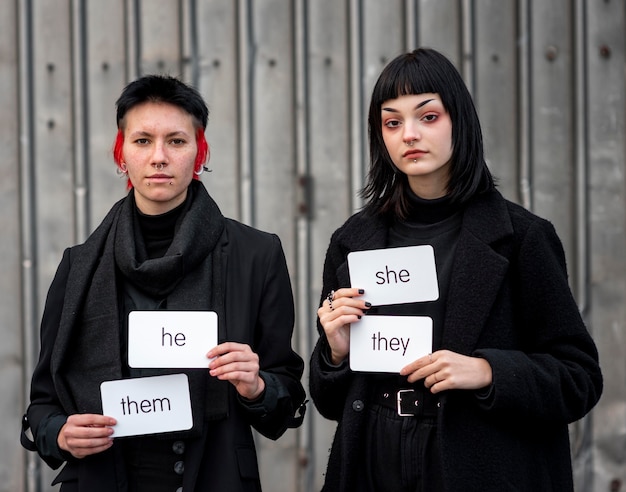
x=287, y=82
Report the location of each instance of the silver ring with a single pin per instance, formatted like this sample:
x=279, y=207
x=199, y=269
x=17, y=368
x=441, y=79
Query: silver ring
x=330, y=297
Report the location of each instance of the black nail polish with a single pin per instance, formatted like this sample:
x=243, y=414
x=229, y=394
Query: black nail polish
x=361, y=291
x=368, y=304
x=358, y=316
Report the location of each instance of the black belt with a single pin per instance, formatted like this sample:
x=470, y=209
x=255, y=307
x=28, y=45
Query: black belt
x=407, y=402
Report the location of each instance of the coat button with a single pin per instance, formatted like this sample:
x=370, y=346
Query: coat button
x=179, y=467
x=178, y=447
x=357, y=405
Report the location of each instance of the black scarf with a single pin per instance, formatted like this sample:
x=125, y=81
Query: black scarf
x=188, y=277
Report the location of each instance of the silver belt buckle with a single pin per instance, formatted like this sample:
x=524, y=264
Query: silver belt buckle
x=399, y=402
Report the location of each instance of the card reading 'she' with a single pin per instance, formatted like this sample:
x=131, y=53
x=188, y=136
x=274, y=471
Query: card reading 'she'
x=171, y=339
x=148, y=405
x=395, y=275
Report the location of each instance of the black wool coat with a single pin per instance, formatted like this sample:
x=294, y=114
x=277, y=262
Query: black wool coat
x=259, y=311
x=509, y=302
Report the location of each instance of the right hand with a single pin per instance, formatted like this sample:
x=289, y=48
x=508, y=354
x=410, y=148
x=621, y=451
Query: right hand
x=336, y=317
x=86, y=434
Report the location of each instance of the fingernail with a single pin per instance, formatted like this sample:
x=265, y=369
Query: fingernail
x=358, y=316
x=361, y=291
x=368, y=304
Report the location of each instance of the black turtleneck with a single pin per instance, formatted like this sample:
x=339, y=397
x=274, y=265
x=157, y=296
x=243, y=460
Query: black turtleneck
x=436, y=223
x=158, y=231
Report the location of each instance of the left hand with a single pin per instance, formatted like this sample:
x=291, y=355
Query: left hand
x=445, y=370
x=237, y=363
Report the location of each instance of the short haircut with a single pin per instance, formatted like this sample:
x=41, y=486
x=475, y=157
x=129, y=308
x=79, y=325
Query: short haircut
x=425, y=71
x=165, y=89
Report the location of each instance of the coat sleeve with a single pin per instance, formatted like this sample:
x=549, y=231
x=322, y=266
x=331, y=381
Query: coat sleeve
x=282, y=403
x=555, y=374
x=45, y=415
x=328, y=383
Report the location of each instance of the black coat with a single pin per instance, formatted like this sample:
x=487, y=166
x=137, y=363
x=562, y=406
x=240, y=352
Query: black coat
x=509, y=302
x=259, y=311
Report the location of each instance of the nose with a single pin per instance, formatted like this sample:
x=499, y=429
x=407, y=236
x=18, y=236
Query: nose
x=411, y=132
x=159, y=156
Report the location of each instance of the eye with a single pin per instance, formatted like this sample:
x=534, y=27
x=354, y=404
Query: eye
x=141, y=141
x=430, y=117
x=392, y=123
x=178, y=141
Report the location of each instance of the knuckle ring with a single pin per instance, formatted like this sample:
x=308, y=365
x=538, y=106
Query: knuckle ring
x=330, y=297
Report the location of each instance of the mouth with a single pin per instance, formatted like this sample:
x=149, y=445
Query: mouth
x=159, y=176
x=414, y=154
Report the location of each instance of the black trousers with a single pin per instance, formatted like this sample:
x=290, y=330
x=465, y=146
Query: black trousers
x=400, y=453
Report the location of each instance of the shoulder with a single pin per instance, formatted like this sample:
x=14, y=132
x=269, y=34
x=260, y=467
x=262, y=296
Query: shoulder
x=493, y=214
x=360, y=229
x=250, y=244
x=526, y=222
x=239, y=232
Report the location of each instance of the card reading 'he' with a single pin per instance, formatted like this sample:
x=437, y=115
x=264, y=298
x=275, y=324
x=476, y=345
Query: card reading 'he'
x=171, y=339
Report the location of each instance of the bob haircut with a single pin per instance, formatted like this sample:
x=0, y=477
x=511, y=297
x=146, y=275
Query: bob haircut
x=425, y=71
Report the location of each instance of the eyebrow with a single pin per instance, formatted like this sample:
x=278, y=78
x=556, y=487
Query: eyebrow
x=143, y=133
x=423, y=103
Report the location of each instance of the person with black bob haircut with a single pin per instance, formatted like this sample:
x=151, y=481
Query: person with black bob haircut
x=512, y=363
x=165, y=247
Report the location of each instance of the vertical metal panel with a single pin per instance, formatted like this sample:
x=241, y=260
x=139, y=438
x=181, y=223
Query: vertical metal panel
x=54, y=153
x=26, y=278
x=439, y=27
x=495, y=89
x=218, y=62
x=302, y=275
x=11, y=384
x=106, y=75
x=273, y=149
x=160, y=37
x=607, y=235
x=331, y=127
x=552, y=130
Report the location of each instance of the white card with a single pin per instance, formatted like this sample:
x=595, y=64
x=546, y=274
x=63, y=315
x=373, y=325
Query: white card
x=148, y=405
x=395, y=275
x=171, y=339
x=388, y=343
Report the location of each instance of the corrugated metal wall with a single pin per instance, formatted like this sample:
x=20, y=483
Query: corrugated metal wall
x=288, y=83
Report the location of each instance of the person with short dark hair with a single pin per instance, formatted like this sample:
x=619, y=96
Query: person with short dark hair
x=512, y=363
x=165, y=247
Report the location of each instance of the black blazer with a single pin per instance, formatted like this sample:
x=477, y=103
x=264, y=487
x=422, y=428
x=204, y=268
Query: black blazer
x=259, y=311
x=509, y=302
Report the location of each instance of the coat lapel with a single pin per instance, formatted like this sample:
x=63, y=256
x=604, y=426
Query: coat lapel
x=477, y=273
